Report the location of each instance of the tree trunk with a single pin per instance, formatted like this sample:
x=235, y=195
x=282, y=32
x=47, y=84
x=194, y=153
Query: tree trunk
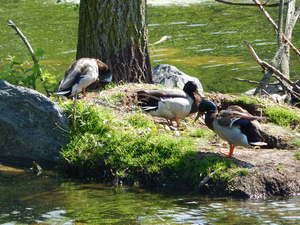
x=115, y=32
x=289, y=26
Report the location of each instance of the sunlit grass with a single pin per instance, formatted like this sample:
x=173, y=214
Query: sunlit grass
x=132, y=148
x=282, y=116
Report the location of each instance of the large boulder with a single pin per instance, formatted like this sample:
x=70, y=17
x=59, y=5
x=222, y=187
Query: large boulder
x=170, y=76
x=32, y=127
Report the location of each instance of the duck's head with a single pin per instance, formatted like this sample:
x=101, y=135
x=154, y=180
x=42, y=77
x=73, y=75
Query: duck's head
x=190, y=87
x=206, y=106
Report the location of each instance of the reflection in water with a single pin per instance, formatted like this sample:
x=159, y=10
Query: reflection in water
x=27, y=199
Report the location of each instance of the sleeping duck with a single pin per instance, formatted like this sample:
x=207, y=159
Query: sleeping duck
x=171, y=104
x=81, y=74
x=235, y=125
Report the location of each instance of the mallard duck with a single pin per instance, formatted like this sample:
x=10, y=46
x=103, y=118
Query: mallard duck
x=81, y=74
x=235, y=125
x=170, y=104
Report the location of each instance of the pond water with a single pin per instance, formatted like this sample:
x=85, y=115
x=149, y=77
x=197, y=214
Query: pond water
x=28, y=199
x=204, y=40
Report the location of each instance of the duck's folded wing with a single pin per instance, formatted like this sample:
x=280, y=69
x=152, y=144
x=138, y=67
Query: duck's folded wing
x=69, y=80
x=166, y=93
x=235, y=111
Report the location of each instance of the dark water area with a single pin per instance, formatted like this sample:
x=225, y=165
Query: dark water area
x=203, y=40
x=29, y=199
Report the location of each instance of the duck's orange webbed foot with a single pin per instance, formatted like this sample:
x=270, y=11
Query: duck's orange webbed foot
x=230, y=153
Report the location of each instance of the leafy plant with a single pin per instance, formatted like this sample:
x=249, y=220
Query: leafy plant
x=26, y=74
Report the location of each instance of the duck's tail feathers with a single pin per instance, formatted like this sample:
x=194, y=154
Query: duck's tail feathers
x=258, y=143
x=63, y=93
x=149, y=108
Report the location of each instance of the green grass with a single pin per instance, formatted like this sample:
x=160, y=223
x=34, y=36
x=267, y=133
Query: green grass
x=246, y=100
x=281, y=116
x=202, y=133
x=242, y=172
x=297, y=155
x=131, y=148
x=296, y=142
x=140, y=121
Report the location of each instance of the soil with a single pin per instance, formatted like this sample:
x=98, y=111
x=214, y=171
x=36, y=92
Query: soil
x=272, y=172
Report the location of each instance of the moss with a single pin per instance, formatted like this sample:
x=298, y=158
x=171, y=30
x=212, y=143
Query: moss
x=282, y=116
x=132, y=149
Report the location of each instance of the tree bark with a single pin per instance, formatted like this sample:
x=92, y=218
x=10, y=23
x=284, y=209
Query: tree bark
x=115, y=32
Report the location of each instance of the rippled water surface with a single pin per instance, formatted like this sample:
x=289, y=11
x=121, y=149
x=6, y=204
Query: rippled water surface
x=27, y=199
x=204, y=40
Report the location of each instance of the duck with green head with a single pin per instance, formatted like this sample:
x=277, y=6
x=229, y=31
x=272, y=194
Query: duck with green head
x=171, y=104
x=235, y=125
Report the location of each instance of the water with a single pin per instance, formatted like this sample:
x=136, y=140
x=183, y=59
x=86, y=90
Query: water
x=27, y=199
x=204, y=40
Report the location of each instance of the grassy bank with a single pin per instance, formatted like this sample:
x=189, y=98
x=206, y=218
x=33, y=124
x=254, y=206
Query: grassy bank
x=132, y=149
x=112, y=141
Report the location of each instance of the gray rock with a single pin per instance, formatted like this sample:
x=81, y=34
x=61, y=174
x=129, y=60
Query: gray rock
x=170, y=76
x=32, y=126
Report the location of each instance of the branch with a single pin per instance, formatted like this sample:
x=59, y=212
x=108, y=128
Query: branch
x=24, y=39
x=277, y=73
x=11, y=24
x=267, y=65
x=249, y=4
x=260, y=5
x=251, y=81
x=246, y=80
